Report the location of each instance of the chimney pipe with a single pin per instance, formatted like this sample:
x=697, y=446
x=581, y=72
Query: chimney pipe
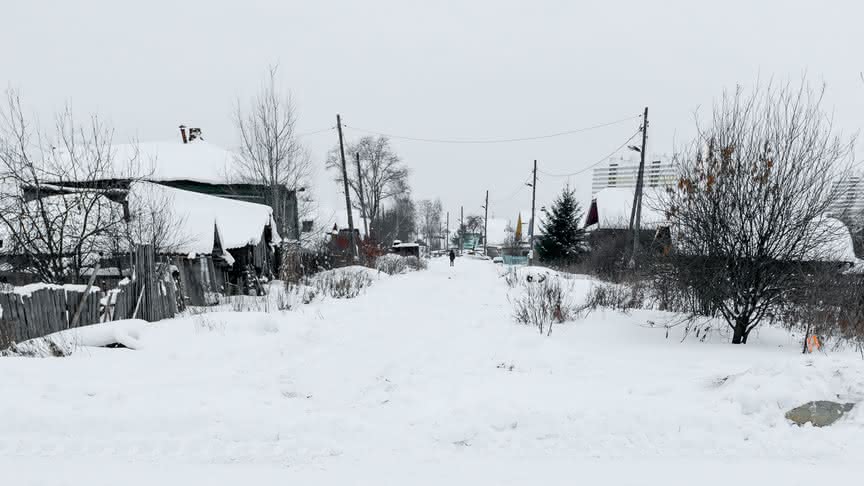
x=183, y=133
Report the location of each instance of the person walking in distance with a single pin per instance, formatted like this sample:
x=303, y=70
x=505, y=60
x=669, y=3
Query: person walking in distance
x=452, y=257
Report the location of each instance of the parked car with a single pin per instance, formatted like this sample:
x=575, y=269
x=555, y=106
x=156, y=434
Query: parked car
x=497, y=259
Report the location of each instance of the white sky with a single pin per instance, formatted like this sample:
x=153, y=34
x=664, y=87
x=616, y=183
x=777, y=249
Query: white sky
x=445, y=69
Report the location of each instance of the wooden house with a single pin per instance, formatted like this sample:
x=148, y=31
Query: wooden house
x=226, y=232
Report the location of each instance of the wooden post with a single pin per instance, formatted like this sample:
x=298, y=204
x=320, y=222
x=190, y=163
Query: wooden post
x=347, y=192
x=447, y=233
x=486, y=227
x=84, y=299
x=461, y=228
x=636, y=210
x=138, y=303
x=145, y=272
x=533, y=214
x=365, y=215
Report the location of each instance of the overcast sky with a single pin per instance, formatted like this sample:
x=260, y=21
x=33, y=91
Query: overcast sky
x=466, y=69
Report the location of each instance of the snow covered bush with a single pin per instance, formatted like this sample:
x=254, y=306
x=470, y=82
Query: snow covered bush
x=828, y=305
x=543, y=302
x=511, y=277
x=207, y=322
x=295, y=294
x=47, y=347
x=343, y=283
x=392, y=264
x=620, y=297
x=415, y=263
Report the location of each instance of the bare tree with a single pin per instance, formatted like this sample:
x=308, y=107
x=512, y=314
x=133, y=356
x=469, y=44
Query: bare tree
x=398, y=222
x=384, y=175
x=60, y=197
x=429, y=219
x=474, y=224
x=747, y=214
x=152, y=220
x=512, y=241
x=270, y=153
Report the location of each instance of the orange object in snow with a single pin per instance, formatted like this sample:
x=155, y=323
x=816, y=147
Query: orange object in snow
x=813, y=343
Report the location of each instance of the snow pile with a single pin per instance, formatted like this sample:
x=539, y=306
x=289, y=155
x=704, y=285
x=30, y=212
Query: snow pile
x=64, y=343
x=124, y=332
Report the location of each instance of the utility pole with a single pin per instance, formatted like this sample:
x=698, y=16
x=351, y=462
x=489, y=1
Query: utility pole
x=347, y=193
x=531, y=224
x=486, y=226
x=447, y=232
x=362, y=199
x=461, y=228
x=637, y=196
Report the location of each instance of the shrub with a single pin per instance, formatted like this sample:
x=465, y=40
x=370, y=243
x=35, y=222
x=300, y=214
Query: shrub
x=303, y=292
x=45, y=347
x=393, y=264
x=339, y=284
x=208, y=323
x=606, y=259
x=619, y=297
x=511, y=277
x=415, y=263
x=543, y=302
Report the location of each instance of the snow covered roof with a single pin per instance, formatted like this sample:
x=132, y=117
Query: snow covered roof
x=174, y=160
x=406, y=245
x=614, y=206
x=828, y=240
x=838, y=246
x=239, y=223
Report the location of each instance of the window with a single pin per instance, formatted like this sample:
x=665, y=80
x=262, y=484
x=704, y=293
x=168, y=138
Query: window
x=307, y=226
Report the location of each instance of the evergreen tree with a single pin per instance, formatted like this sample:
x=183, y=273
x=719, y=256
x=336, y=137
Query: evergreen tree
x=563, y=238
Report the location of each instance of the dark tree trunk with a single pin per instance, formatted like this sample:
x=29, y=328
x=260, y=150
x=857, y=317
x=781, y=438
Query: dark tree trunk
x=739, y=335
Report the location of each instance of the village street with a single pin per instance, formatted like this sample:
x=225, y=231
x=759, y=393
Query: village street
x=425, y=379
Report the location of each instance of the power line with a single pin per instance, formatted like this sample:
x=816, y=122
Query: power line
x=481, y=141
x=315, y=132
x=519, y=189
x=591, y=166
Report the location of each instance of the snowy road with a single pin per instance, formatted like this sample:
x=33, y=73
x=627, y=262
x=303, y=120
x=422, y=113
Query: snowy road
x=425, y=380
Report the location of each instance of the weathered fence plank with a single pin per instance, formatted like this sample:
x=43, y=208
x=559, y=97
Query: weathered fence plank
x=51, y=309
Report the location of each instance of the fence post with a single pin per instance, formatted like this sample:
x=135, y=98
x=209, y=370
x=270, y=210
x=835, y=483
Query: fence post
x=84, y=299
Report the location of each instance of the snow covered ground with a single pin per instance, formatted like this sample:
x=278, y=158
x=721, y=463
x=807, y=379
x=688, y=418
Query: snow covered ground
x=425, y=379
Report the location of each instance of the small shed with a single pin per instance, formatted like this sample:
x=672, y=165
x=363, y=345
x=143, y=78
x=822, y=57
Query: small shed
x=406, y=249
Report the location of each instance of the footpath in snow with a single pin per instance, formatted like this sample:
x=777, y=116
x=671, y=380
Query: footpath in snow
x=426, y=379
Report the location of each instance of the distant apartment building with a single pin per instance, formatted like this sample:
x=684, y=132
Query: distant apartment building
x=850, y=203
x=622, y=173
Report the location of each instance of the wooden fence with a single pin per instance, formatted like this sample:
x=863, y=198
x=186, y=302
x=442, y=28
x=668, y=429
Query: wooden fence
x=44, y=311
x=50, y=309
